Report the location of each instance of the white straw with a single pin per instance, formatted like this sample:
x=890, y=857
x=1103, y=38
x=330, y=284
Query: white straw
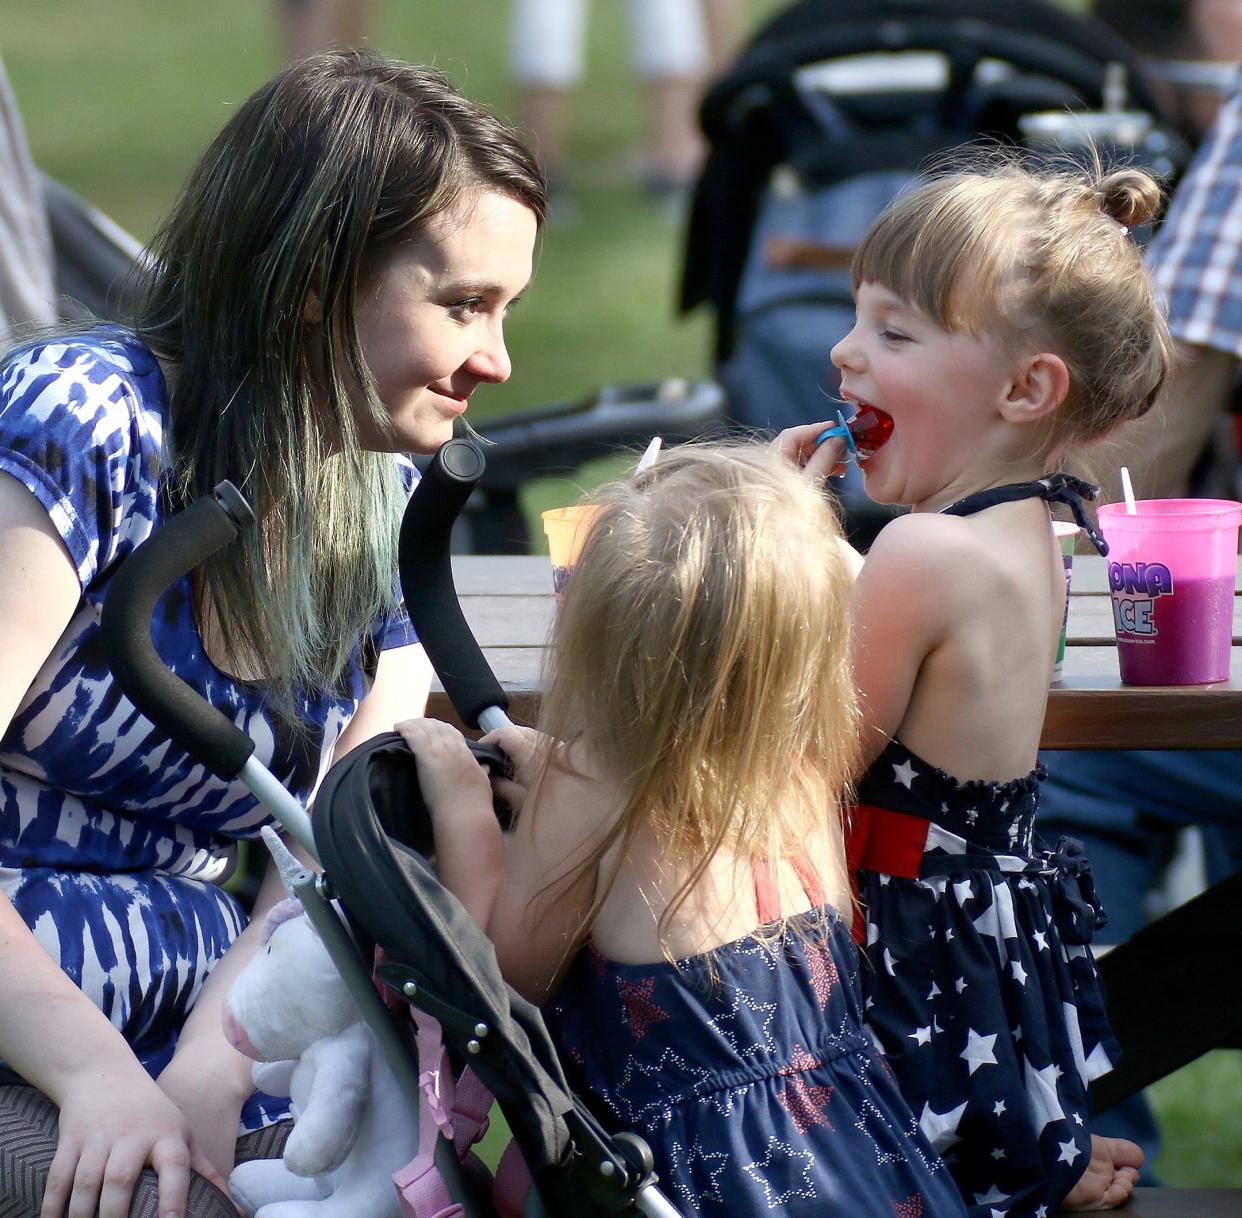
x=1128, y=491
x=648, y=459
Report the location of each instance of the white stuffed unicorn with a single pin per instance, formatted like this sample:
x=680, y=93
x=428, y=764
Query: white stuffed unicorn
x=290, y=1010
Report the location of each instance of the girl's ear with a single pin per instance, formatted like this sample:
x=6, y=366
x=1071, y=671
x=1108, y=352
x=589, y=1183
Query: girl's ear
x=1040, y=384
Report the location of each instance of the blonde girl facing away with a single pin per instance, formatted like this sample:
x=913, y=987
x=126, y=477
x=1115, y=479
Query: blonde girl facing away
x=672, y=886
x=1003, y=318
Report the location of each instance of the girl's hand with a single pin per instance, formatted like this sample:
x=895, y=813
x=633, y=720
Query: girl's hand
x=523, y=746
x=470, y=850
x=111, y=1127
x=448, y=773
x=800, y=447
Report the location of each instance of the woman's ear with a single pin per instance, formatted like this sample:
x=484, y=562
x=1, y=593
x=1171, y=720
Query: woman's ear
x=1040, y=384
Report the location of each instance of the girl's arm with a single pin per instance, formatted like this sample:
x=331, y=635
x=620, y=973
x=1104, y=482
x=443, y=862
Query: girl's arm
x=114, y=1120
x=470, y=853
x=903, y=598
x=537, y=917
x=514, y=889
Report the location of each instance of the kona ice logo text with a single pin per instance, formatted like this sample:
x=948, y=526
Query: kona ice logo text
x=1135, y=587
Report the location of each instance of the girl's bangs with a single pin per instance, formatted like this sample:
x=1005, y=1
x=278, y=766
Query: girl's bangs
x=944, y=259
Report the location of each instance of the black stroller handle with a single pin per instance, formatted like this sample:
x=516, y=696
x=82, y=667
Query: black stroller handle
x=207, y=525
x=427, y=580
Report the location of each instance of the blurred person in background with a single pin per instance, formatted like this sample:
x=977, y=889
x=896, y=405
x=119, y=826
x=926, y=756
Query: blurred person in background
x=676, y=46
x=1193, y=50
x=307, y=26
x=27, y=279
x=1130, y=808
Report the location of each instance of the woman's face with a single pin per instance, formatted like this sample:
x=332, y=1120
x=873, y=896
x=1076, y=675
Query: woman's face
x=431, y=321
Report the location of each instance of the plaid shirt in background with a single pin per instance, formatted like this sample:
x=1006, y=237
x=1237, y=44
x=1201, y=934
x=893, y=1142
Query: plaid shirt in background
x=1196, y=257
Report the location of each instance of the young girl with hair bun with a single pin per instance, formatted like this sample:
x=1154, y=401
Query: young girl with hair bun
x=1004, y=318
x=672, y=886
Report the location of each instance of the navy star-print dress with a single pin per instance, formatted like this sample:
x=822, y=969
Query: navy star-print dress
x=757, y=1090
x=980, y=985
x=114, y=843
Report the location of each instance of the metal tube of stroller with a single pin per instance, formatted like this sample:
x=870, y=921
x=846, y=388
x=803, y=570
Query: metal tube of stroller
x=430, y=595
x=286, y=808
x=649, y=1200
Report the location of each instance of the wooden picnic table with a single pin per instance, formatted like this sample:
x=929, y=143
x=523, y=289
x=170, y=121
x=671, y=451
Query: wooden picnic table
x=508, y=602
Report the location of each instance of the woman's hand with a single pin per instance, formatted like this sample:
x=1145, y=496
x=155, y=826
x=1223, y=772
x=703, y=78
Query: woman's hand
x=113, y=1124
x=800, y=446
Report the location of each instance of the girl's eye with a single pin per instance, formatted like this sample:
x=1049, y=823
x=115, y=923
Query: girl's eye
x=891, y=336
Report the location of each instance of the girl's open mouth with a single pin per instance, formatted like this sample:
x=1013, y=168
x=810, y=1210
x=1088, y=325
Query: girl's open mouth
x=871, y=428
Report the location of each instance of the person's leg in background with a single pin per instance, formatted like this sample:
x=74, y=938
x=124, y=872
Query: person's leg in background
x=672, y=59
x=547, y=46
x=1127, y=808
x=724, y=30
x=307, y=26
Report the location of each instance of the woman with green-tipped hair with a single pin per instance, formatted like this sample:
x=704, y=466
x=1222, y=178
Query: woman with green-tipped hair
x=326, y=295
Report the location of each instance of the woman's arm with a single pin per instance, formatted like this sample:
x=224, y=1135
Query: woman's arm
x=207, y=1078
x=114, y=1121
x=402, y=683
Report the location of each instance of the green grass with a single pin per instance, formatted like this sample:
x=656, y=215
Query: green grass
x=120, y=96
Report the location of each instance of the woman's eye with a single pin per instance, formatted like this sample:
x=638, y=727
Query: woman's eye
x=467, y=307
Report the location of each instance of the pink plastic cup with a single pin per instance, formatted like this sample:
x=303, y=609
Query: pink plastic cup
x=1171, y=569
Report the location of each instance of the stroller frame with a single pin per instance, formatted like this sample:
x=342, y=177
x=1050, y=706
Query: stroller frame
x=611, y=1172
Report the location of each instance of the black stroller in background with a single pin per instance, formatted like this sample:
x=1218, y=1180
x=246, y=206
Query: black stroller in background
x=373, y=836
x=833, y=108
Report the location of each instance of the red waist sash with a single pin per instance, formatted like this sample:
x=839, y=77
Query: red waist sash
x=879, y=839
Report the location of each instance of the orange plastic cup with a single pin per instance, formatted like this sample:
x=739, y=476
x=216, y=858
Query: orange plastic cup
x=566, y=529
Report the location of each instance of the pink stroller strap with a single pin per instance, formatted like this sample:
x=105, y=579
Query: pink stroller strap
x=511, y=1183
x=458, y=1109
x=422, y=1191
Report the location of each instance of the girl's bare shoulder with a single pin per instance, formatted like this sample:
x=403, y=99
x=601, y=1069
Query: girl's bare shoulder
x=926, y=543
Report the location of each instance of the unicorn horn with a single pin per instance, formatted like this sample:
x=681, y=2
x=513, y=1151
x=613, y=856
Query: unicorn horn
x=291, y=870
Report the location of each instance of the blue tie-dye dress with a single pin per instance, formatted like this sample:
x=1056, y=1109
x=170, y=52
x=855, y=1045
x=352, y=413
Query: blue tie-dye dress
x=113, y=842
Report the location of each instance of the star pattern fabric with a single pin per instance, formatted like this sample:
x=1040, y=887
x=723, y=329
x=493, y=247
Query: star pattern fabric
x=981, y=989
x=752, y=1078
x=806, y=1102
x=640, y=1012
